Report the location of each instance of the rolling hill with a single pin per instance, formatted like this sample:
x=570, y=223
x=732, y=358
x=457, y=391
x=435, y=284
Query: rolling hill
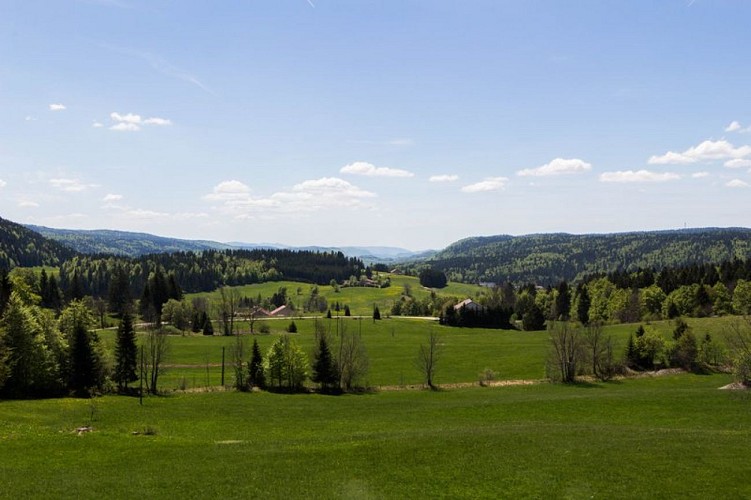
x=22, y=247
x=550, y=258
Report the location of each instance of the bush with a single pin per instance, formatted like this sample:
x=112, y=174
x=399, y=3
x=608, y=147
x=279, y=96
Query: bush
x=264, y=328
x=487, y=376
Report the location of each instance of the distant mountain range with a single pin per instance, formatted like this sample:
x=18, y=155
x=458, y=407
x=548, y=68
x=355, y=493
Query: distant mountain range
x=130, y=244
x=536, y=258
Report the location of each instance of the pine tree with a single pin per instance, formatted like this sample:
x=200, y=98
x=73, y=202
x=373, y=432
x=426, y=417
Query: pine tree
x=376, y=313
x=256, y=376
x=582, y=309
x=324, y=368
x=126, y=353
x=208, y=327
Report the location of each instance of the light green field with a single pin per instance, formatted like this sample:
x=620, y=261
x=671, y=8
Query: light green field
x=665, y=437
x=360, y=300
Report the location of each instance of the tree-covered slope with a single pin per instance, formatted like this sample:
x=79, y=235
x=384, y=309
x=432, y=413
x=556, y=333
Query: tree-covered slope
x=22, y=247
x=104, y=241
x=550, y=258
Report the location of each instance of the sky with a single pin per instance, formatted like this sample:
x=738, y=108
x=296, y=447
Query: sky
x=409, y=123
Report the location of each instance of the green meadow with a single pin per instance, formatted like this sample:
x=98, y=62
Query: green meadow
x=194, y=360
x=361, y=300
x=662, y=437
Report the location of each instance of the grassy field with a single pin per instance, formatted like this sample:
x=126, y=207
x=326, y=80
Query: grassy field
x=392, y=345
x=663, y=437
x=360, y=300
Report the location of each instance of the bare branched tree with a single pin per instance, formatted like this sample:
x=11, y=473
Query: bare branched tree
x=352, y=361
x=229, y=301
x=157, y=348
x=566, y=352
x=601, y=351
x=428, y=357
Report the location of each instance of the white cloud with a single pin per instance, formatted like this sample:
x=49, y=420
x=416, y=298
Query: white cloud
x=97, y=125
x=112, y=197
x=132, y=122
x=125, y=127
x=738, y=163
x=699, y=175
x=3, y=183
x=307, y=196
x=71, y=185
x=28, y=204
x=706, y=151
x=229, y=190
x=737, y=183
x=57, y=107
x=638, y=176
x=488, y=184
x=735, y=126
x=157, y=121
x=129, y=118
x=443, y=178
x=558, y=166
x=30, y=119
x=370, y=170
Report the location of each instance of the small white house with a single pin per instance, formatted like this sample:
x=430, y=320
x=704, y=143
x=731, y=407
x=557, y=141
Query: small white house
x=468, y=305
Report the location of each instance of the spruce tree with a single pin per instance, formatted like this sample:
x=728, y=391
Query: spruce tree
x=324, y=368
x=126, y=353
x=256, y=376
x=208, y=327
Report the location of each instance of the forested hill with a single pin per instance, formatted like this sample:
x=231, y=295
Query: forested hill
x=22, y=247
x=104, y=241
x=551, y=258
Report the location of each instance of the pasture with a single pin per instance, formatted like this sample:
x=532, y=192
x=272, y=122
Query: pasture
x=194, y=360
x=673, y=436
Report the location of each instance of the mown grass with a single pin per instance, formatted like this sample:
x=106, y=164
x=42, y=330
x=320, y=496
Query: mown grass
x=665, y=437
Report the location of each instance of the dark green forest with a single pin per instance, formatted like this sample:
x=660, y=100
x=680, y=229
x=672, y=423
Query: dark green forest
x=547, y=259
x=22, y=247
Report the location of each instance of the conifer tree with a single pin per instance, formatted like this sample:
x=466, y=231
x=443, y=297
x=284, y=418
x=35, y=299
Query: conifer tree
x=324, y=367
x=256, y=376
x=126, y=353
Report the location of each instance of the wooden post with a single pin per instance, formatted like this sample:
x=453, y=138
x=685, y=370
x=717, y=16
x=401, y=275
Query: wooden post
x=223, y=366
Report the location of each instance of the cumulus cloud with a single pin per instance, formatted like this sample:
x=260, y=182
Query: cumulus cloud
x=132, y=122
x=306, y=196
x=57, y=107
x=71, y=185
x=738, y=163
x=3, y=183
x=125, y=127
x=112, y=197
x=443, y=178
x=699, y=175
x=706, y=151
x=370, y=170
x=734, y=126
x=28, y=204
x=229, y=190
x=488, y=184
x=97, y=125
x=624, y=176
x=737, y=183
x=558, y=166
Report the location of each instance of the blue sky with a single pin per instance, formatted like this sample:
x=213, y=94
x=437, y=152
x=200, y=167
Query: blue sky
x=403, y=123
